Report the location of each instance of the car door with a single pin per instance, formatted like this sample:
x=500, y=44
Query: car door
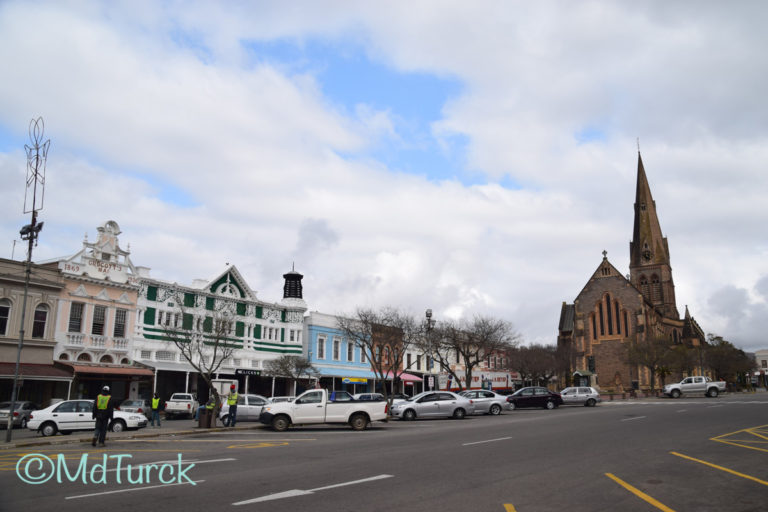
x=428, y=405
x=569, y=395
x=526, y=398
x=485, y=400
x=447, y=404
x=309, y=408
x=85, y=420
x=255, y=404
x=66, y=416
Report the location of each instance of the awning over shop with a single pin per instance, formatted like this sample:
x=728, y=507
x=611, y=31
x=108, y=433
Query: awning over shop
x=406, y=377
x=166, y=366
x=583, y=373
x=35, y=372
x=327, y=371
x=102, y=369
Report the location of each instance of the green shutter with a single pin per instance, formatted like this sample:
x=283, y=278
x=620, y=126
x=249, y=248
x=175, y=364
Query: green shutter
x=241, y=309
x=149, y=316
x=239, y=329
x=186, y=322
x=189, y=300
x=259, y=312
x=210, y=302
x=257, y=332
x=152, y=293
x=282, y=316
x=282, y=332
x=208, y=324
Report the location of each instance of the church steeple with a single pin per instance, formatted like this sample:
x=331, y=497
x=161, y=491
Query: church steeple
x=649, y=262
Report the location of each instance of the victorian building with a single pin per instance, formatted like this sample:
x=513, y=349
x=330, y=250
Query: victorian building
x=258, y=331
x=95, y=317
x=613, y=311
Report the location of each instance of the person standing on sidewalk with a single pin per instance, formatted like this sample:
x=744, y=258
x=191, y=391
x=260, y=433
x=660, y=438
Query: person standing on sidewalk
x=156, y=405
x=232, y=403
x=102, y=412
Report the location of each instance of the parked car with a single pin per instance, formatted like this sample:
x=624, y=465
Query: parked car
x=486, y=402
x=21, y=413
x=181, y=404
x=71, y=415
x=432, y=404
x=141, y=406
x=276, y=399
x=586, y=396
x=369, y=397
x=534, y=396
x=248, y=408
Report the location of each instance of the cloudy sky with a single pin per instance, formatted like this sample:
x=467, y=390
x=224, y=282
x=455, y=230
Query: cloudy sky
x=460, y=156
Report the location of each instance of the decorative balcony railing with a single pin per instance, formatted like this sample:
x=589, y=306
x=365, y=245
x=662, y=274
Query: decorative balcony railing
x=75, y=339
x=120, y=344
x=98, y=342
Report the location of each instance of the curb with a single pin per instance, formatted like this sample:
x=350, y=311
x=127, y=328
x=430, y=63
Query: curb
x=37, y=441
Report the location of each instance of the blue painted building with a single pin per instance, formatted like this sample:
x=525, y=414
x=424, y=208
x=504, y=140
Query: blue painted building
x=342, y=365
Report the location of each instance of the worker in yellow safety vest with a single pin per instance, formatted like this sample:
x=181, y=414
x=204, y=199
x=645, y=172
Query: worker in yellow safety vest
x=156, y=406
x=232, y=403
x=102, y=412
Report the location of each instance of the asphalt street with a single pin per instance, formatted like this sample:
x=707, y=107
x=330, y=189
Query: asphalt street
x=689, y=454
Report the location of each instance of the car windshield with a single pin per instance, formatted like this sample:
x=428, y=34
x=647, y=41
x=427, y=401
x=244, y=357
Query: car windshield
x=130, y=403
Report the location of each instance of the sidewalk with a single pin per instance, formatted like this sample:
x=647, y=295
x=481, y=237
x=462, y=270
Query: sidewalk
x=169, y=428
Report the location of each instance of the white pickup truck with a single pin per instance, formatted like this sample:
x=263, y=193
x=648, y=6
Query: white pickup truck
x=180, y=404
x=319, y=406
x=690, y=385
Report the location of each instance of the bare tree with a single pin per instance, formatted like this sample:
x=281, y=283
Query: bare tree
x=384, y=336
x=467, y=344
x=726, y=361
x=205, y=342
x=294, y=368
x=536, y=363
x=651, y=353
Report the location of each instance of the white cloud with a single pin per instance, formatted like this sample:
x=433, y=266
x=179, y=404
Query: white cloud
x=162, y=120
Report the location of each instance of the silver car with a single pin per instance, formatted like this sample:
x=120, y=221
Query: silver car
x=248, y=408
x=486, y=402
x=20, y=417
x=586, y=396
x=433, y=404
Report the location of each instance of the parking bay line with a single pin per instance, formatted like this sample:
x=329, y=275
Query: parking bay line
x=298, y=492
x=721, y=468
x=488, y=441
x=635, y=418
x=640, y=494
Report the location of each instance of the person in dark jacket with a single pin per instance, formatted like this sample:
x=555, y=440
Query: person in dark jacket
x=103, y=411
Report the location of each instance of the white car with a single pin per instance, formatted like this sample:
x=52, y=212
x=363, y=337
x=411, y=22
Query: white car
x=73, y=415
x=486, y=402
x=248, y=408
x=580, y=395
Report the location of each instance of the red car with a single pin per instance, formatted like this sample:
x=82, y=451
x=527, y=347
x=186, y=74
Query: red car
x=534, y=396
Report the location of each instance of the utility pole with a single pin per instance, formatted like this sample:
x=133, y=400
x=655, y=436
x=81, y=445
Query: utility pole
x=37, y=156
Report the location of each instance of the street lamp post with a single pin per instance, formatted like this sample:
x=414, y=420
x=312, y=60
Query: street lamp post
x=429, y=325
x=37, y=156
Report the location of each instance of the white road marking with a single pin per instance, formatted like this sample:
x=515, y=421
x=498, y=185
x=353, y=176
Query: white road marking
x=298, y=492
x=635, y=418
x=488, y=441
x=129, y=489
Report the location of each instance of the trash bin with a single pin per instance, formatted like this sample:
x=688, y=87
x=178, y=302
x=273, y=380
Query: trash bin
x=204, y=418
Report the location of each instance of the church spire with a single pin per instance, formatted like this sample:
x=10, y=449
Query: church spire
x=649, y=262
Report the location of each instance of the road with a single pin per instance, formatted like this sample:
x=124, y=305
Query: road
x=687, y=454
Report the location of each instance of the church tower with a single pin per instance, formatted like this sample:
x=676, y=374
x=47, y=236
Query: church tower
x=649, y=266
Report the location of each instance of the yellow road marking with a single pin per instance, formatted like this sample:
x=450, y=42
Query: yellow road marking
x=262, y=444
x=754, y=438
x=208, y=440
x=640, y=494
x=721, y=468
x=509, y=507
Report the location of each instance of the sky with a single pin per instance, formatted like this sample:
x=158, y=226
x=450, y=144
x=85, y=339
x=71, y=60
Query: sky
x=474, y=158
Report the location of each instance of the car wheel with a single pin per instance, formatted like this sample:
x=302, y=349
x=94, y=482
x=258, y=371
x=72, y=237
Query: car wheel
x=280, y=423
x=23, y=423
x=225, y=420
x=358, y=422
x=409, y=415
x=459, y=414
x=712, y=393
x=48, y=429
x=591, y=402
x=550, y=405
x=675, y=393
x=118, y=426
x=511, y=406
x=495, y=409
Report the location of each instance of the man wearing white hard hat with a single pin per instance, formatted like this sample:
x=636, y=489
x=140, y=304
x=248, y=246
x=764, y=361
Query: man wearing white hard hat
x=103, y=410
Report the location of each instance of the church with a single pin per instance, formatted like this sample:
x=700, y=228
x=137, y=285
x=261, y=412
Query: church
x=613, y=312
